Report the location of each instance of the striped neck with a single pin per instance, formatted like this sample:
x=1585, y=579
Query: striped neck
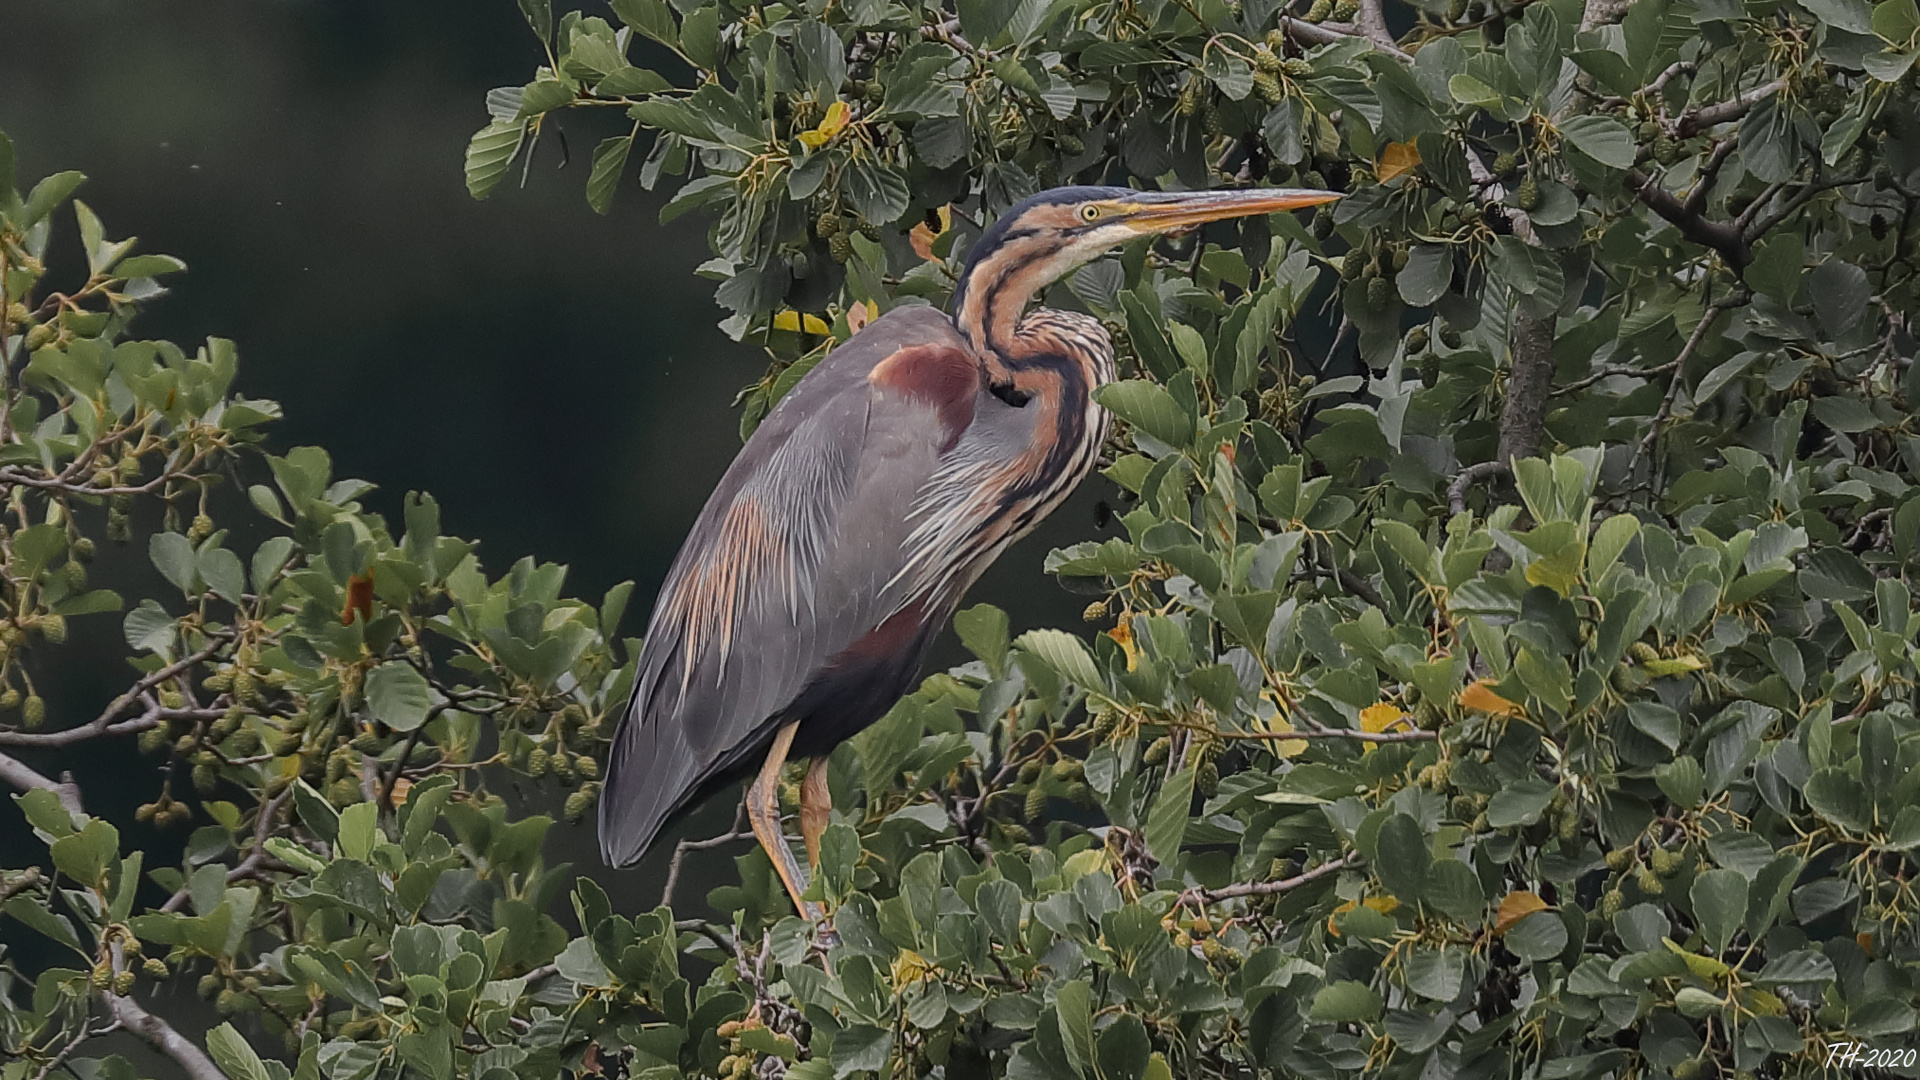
x=992, y=298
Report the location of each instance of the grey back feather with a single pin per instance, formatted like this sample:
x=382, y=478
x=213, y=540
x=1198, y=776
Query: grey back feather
x=794, y=557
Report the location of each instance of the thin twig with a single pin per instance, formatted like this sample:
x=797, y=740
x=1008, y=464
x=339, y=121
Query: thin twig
x=680, y=851
x=385, y=801
x=1679, y=364
x=103, y=724
x=1198, y=895
x=256, y=859
x=157, y=1032
x=86, y=1032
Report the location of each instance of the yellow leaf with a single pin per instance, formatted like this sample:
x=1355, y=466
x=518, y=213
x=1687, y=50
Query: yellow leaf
x=1396, y=159
x=1385, y=905
x=1123, y=636
x=1516, y=906
x=909, y=968
x=1479, y=696
x=1378, y=718
x=830, y=125
x=1705, y=967
x=1762, y=1003
x=1559, y=571
x=796, y=321
x=1679, y=665
x=1286, y=748
x=1082, y=863
x=923, y=235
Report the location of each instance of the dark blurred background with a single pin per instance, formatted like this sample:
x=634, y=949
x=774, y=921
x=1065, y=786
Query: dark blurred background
x=554, y=377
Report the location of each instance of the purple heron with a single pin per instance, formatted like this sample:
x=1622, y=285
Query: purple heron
x=863, y=507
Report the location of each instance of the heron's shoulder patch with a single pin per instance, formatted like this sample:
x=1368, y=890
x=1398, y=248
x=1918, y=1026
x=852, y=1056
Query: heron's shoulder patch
x=940, y=376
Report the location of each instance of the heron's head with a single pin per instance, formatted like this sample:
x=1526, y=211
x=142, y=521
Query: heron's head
x=1047, y=236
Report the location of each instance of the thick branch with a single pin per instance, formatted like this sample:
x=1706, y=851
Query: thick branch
x=1321, y=34
x=1472, y=474
x=1721, y=236
x=1523, y=419
x=1372, y=23
x=1269, y=888
x=20, y=775
x=1694, y=121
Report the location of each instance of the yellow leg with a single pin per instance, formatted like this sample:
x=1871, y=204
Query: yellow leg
x=816, y=805
x=763, y=814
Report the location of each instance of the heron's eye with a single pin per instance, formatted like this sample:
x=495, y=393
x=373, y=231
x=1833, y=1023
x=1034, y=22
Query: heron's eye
x=1089, y=213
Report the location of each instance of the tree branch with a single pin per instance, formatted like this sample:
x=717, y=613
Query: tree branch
x=1694, y=339
x=104, y=725
x=20, y=775
x=1321, y=34
x=1472, y=474
x=1269, y=888
x=1721, y=236
x=157, y=1032
x=1372, y=24
x=1523, y=417
x=1696, y=120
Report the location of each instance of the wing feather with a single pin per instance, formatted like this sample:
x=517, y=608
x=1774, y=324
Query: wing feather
x=787, y=566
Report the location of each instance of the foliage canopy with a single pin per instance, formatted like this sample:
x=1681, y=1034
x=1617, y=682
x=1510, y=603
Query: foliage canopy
x=1531, y=695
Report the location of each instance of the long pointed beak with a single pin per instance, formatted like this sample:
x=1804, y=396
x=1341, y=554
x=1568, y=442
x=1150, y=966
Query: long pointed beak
x=1161, y=213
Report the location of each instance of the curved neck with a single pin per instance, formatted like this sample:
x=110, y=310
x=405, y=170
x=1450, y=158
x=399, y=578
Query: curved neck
x=993, y=295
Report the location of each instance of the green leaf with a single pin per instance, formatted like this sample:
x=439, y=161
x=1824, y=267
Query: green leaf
x=1073, y=1002
x=359, y=830
x=1346, y=1002
x=85, y=855
x=489, y=152
x=44, y=811
x=230, y=1051
x=1540, y=936
x=222, y=572
x=1601, y=138
x=1897, y=21
x=1683, y=781
x=1840, y=799
x=1455, y=889
x=1468, y=90
x=399, y=695
x=1720, y=904
x=1065, y=654
x=1403, y=855
x=1519, y=803
x=1167, y=818
x=1148, y=407
x=1427, y=276
x=609, y=160
x=1609, y=541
